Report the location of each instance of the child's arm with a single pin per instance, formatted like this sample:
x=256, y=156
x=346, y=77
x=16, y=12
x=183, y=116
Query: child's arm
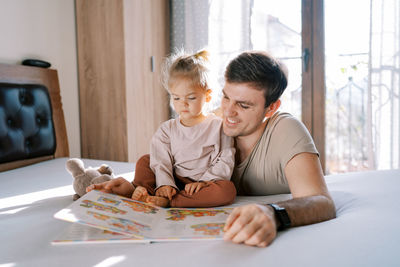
x=161, y=159
x=222, y=166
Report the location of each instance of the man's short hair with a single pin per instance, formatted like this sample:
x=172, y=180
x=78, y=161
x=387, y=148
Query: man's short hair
x=261, y=71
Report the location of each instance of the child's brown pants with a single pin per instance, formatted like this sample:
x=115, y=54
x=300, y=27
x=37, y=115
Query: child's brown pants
x=217, y=193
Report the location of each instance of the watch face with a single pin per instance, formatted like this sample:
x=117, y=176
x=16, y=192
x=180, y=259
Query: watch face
x=285, y=220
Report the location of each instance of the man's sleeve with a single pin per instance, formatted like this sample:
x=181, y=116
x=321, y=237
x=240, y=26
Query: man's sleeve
x=294, y=139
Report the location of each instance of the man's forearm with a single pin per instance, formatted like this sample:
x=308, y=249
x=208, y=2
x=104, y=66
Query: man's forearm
x=309, y=210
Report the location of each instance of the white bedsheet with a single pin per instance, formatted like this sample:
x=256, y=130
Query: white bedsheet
x=366, y=231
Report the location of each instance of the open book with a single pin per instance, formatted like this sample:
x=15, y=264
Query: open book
x=145, y=221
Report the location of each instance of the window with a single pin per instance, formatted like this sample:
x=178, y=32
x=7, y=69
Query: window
x=362, y=85
x=343, y=61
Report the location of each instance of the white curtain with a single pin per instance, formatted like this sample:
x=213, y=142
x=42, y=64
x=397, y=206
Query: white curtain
x=189, y=24
x=384, y=85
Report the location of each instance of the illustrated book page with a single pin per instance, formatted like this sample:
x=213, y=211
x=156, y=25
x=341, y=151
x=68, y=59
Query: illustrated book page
x=144, y=221
x=77, y=233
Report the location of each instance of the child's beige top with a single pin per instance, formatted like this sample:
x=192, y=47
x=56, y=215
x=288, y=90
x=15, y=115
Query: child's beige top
x=201, y=152
x=263, y=171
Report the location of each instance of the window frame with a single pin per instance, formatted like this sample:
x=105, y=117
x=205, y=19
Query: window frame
x=313, y=73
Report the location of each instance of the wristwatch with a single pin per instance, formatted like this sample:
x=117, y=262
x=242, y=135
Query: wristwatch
x=282, y=216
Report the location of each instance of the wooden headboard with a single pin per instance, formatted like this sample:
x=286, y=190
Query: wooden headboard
x=19, y=74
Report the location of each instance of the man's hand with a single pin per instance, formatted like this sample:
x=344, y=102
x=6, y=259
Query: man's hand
x=166, y=191
x=192, y=188
x=119, y=186
x=252, y=225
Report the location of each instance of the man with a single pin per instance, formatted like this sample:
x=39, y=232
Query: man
x=274, y=155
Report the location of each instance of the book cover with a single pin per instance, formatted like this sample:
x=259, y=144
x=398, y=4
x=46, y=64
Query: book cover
x=145, y=221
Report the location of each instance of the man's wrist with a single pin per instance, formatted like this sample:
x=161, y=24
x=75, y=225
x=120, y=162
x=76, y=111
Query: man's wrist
x=270, y=211
x=281, y=217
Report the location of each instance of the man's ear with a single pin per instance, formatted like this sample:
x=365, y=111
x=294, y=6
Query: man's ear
x=208, y=95
x=273, y=108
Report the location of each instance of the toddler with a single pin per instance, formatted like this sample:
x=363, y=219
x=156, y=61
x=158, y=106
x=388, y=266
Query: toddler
x=191, y=160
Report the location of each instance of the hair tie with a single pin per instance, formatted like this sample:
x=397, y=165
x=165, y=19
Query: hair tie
x=203, y=54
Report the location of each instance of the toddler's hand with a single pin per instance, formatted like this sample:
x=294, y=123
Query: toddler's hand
x=166, y=191
x=194, y=187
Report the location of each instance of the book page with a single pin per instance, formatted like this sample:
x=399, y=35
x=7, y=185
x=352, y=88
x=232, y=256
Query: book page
x=82, y=234
x=143, y=220
x=113, y=213
x=193, y=223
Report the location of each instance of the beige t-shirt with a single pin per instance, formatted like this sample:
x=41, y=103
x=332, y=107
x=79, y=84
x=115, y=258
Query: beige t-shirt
x=262, y=173
x=201, y=152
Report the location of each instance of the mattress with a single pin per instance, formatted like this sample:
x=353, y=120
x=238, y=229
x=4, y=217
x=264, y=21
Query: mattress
x=366, y=231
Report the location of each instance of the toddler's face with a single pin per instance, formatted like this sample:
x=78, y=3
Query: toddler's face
x=188, y=100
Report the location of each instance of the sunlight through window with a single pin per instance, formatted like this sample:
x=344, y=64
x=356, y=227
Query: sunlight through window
x=27, y=199
x=13, y=211
x=111, y=261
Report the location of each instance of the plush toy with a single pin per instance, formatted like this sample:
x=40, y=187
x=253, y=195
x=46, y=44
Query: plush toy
x=85, y=177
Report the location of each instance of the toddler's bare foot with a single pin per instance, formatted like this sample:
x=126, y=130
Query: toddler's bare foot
x=140, y=194
x=158, y=201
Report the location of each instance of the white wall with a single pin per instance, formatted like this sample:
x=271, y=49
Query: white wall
x=45, y=29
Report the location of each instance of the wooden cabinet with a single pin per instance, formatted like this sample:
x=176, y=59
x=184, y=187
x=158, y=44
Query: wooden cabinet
x=121, y=46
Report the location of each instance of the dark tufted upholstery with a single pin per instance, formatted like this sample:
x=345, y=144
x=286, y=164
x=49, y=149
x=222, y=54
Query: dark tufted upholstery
x=26, y=124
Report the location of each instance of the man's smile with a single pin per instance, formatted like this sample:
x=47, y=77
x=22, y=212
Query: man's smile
x=231, y=122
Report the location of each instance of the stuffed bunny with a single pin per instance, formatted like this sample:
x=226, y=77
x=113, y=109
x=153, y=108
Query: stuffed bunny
x=85, y=177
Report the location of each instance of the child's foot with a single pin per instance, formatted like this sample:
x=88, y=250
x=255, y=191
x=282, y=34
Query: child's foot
x=140, y=194
x=158, y=201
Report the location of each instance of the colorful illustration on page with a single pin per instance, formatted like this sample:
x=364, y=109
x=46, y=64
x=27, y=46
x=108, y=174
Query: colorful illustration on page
x=98, y=206
x=108, y=232
x=127, y=226
x=181, y=214
x=109, y=200
x=140, y=207
x=209, y=229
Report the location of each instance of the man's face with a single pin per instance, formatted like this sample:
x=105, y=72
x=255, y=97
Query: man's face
x=243, y=110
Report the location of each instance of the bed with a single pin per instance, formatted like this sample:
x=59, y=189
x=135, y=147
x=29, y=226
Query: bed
x=366, y=231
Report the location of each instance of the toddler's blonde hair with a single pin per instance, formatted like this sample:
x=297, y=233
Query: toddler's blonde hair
x=181, y=65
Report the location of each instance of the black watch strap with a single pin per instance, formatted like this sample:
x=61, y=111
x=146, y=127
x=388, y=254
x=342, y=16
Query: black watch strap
x=282, y=216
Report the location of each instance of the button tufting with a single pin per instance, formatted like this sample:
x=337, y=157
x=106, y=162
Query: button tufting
x=22, y=98
x=27, y=129
x=25, y=98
